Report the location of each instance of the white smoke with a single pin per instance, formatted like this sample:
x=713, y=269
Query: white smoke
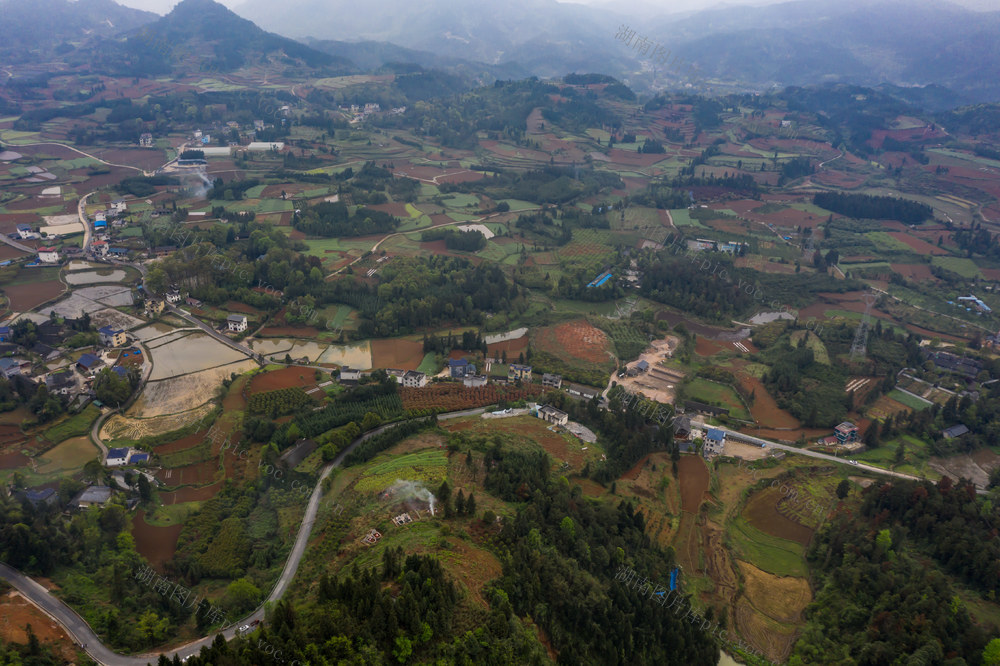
x=406, y=490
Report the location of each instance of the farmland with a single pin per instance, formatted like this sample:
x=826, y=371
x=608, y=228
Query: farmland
x=455, y=397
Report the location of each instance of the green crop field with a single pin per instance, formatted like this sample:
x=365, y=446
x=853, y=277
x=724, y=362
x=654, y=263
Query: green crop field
x=960, y=265
x=74, y=426
x=884, y=241
x=682, y=218
x=712, y=393
x=780, y=557
x=908, y=400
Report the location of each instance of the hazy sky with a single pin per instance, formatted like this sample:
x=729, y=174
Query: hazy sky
x=163, y=6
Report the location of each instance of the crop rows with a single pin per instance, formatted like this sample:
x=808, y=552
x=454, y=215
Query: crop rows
x=278, y=402
x=453, y=397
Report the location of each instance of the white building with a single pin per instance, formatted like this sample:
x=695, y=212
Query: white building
x=414, y=379
x=237, y=322
x=117, y=457
x=347, y=374
x=173, y=296
x=48, y=255
x=552, y=415
x=475, y=380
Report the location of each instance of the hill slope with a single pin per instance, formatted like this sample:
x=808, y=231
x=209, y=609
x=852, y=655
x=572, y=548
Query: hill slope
x=202, y=35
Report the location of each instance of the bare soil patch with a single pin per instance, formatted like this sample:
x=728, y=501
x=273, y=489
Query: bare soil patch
x=24, y=297
x=694, y=479
x=919, y=246
x=156, y=544
x=397, y=353
x=16, y=613
x=284, y=378
x=761, y=511
x=577, y=339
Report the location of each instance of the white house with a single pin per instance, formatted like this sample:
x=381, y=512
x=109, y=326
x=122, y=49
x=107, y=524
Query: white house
x=414, y=379
x=48, y=255
x=117, y=457
x=347, y=374
x=474, y=380
x=237, y=322
x=553, y=415
x=173, y=296
x=24, y=231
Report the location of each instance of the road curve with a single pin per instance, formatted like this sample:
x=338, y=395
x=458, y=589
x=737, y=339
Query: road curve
x=81, y=632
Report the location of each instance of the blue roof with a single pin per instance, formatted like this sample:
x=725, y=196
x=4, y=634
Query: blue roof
x=457, y=362
x=118, y=453
x=8, y=363
x=139, y=457
x=24, y=227
x=39, y=495
x=716, y=434
x=107, y=330
x=87, y=360
x=642, y=365
x=4, y=330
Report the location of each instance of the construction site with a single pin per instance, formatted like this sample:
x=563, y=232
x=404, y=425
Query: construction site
x=647, y=376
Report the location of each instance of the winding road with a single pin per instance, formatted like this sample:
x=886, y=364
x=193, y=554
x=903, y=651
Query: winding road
x=82, y=634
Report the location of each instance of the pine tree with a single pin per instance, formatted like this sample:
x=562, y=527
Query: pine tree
x=470, y=505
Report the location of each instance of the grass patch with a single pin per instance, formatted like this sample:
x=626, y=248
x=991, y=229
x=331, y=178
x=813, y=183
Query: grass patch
x=909, y=400
x=965, y=267
x=172, y=514
x=74, y=426
x=429, y=365
x=780, y=557
x=68, y=456
x=711, y=393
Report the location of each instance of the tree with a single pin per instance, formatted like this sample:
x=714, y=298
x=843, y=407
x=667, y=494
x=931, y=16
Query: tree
x=241, y=595
x=843, y=488
x=900, y=455
x=460, y=502
x=145, y=490
x=991, y=654
x=92, y=470
x=470, y=505
x=489, y=517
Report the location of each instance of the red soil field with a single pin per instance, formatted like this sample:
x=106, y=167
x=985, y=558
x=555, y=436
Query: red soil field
x=191, y=494
x=706, y=347
x=10, y=252
x=921, y=246
x=284, y=378
x=761, y=511
x=920, y=272
x=13, y=460
x=462, y=177
x=397, y=353
x=24, y=297
x=764, y=409
x=144, y=158
x=838, y=179
x=512, y=347
x=236, y=306
x=290, y=332
x=693, y=474
x=197, y=474
x=156, y=544
x=290, y=190
x=184, y=443
x=577, y=339
x=453, y=397
x=16, y=613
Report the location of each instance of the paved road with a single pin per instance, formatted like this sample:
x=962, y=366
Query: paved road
x=14, y=243
x=732, y=434
x=81, y=632
x=81, y=210
x=77, y=150
x=211, y=331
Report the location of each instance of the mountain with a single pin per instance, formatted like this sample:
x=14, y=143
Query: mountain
x=806, y=42
x=902, y=42
x=372, y=55
x=513, y=31
x=204, y=36
x=32, y=31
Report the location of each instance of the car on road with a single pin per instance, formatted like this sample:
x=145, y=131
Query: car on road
x=242, y=630
x=853, y=462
